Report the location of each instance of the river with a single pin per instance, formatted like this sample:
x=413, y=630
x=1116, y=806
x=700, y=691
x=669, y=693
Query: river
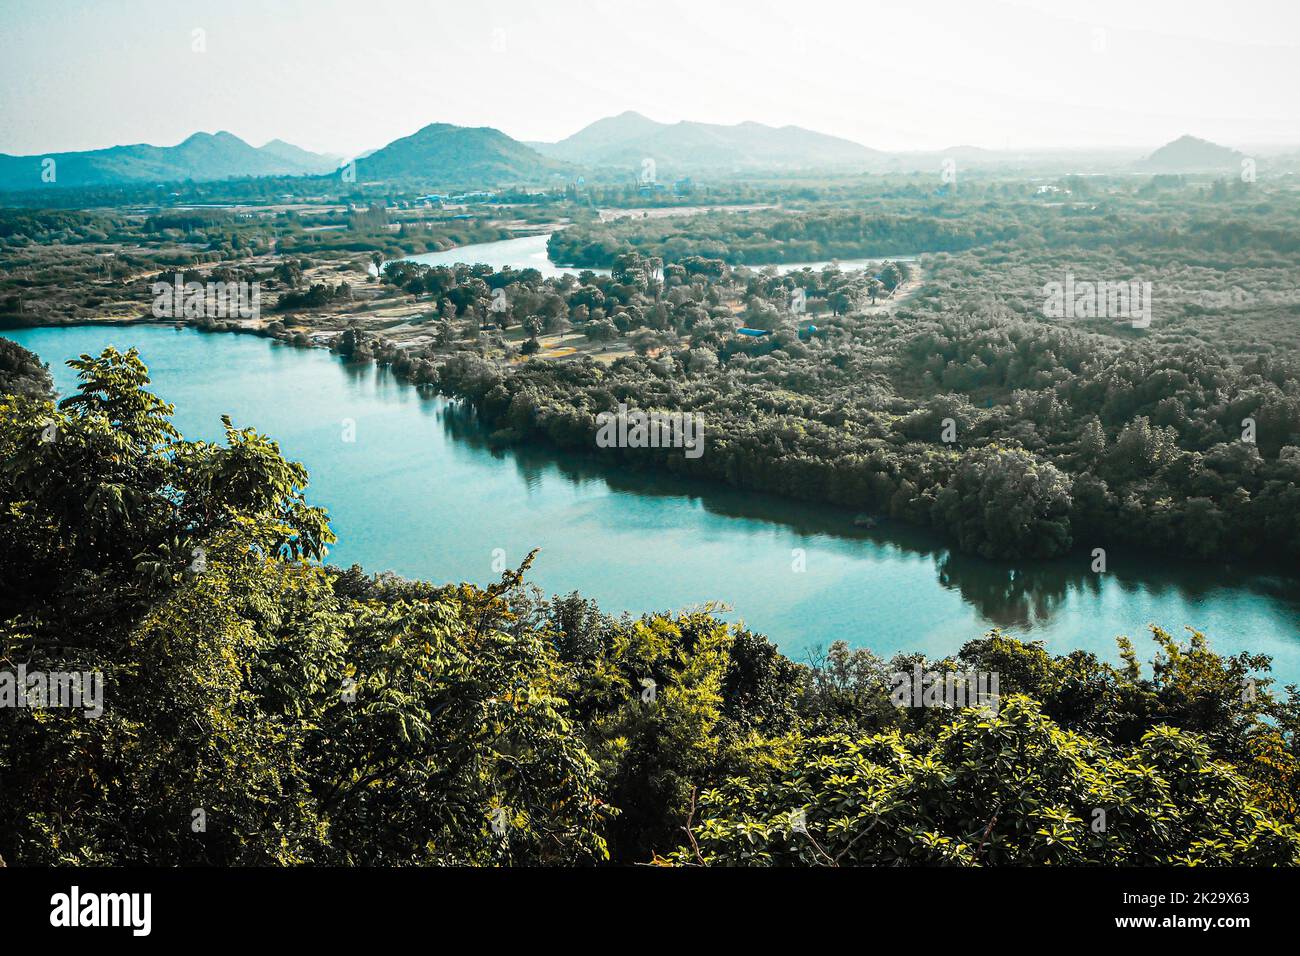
x=420, y=493
x=529, y=252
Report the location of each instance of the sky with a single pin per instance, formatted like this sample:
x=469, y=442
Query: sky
x=343, y=76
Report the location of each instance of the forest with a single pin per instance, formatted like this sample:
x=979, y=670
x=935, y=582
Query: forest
x=960, y=408
x=263, y=708
x=1079, y=212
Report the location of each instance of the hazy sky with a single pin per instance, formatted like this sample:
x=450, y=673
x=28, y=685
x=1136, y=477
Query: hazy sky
x=342, y=76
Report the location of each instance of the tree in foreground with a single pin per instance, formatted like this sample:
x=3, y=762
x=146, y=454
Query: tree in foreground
x=251, y=715
x=1010, y=789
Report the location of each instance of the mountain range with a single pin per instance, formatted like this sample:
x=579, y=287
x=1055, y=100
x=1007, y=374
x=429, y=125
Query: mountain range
x=616, y=147
x=629, y=139
x=203, y=156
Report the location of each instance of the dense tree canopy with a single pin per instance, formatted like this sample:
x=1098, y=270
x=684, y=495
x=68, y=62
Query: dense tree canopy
x=940, y=410
x=263, y=708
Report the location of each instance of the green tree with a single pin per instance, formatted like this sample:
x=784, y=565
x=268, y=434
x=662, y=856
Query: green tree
x=252, y=713
x=1005, y=503
x=991, y=790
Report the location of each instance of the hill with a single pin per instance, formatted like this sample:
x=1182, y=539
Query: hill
x=630, y=138
x=203, y=156
x=459, y=155
x=296, y=156
x=1189, y=154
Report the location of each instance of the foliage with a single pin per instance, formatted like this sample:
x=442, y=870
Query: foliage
x=1010, y=789
x=261, y=708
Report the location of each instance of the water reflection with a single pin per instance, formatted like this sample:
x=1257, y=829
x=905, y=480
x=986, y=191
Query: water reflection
x=1017, y=596
x=1012, y=596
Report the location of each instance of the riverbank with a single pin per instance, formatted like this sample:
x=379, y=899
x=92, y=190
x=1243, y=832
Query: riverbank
x=420, y=470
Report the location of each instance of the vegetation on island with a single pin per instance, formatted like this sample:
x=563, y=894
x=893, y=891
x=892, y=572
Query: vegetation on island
x=962, y=408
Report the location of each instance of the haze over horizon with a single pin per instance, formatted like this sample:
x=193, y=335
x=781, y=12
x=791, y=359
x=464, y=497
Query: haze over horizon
x=991, y=74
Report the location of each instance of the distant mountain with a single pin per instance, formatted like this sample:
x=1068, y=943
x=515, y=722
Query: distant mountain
x=600, y=137
x=296, y=156
x=203, y=156
x=969, y=153
x=459, y=156
x=1189, y=154
x=630, y=138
